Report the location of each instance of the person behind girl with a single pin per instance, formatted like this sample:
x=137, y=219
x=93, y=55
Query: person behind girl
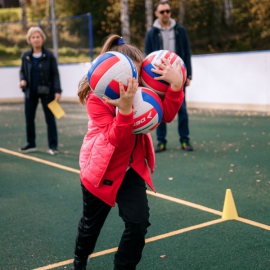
x=115, y=163
x=40, y=80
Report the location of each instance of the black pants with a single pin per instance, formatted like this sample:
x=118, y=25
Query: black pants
x=30, y=114
x=133, y=209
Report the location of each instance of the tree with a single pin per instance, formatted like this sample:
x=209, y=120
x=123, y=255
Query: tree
x=228, y=7
x=125, y=26
x=148, y=14
x=24, y=19
x=182, y=11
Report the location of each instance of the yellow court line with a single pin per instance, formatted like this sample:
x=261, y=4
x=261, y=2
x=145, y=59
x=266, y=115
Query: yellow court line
x=148, y=240
x=190, y=204
x=198, y=226
x=206, y=209
x=159, y=195
x=253, y=223
x=40, y=160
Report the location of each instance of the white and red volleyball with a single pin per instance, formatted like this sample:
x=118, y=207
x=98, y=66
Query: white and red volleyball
x=147, y=110
x=107, y=70
x=147, y=76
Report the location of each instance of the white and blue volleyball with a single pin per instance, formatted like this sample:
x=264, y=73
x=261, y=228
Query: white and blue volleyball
x=160, y=87
x=147, y=111
x=107, y=70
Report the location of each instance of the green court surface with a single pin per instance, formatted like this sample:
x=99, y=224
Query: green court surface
x=40, y=196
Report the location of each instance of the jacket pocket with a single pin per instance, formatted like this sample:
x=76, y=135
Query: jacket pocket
x=97, y=155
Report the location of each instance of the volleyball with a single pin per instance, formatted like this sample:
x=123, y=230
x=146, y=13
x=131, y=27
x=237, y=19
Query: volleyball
x=147, y=110
x=107, y=70
x=147, y=76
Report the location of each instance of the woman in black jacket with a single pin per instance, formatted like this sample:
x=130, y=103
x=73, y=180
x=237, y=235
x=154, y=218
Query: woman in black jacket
x=39, y=79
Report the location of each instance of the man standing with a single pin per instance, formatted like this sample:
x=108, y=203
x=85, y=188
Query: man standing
x=166, y=34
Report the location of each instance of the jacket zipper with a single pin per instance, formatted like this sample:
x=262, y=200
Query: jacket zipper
x=131, y=156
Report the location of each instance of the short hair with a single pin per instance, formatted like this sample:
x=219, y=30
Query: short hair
x=33, y=30
x=161, y=2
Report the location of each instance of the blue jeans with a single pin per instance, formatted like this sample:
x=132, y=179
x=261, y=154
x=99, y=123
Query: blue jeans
x=30, y=115
x=183, y=129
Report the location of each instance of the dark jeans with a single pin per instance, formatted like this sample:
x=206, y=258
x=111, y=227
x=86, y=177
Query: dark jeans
x=133, y=209
x=183, y=129
x=30, y=114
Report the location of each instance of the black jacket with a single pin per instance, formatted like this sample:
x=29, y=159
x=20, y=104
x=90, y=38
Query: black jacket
x=153, y=42
x=48, y=72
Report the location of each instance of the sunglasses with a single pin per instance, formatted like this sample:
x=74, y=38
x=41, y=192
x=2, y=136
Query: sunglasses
x=166, y=10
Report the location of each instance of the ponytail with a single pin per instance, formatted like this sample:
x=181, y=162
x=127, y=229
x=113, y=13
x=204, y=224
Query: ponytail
x=83, y=90
x=116, y=43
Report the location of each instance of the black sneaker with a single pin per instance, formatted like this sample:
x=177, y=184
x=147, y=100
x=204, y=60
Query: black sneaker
x=186, y=146
x=79, y=263
x=160, y=147
x=27, y=149
x=53, y=151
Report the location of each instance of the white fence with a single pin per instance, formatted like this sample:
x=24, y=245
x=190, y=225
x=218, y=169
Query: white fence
x=231, y=81
x=238, y=81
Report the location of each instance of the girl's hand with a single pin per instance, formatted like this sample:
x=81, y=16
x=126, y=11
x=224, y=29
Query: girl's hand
x=124, y=102
x=168, y=73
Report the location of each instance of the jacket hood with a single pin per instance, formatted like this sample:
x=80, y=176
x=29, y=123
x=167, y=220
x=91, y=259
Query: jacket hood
x=157, y=24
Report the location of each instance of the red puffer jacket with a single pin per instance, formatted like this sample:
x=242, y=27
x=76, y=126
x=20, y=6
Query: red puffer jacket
x=109, y=147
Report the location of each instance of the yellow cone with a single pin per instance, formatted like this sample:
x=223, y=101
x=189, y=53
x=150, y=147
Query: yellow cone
x=229, y=209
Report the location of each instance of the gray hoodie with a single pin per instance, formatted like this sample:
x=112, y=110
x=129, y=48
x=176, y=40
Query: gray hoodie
x=168, y=35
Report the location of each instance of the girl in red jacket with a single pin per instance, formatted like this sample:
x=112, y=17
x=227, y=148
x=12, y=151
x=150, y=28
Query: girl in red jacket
x=116, y=164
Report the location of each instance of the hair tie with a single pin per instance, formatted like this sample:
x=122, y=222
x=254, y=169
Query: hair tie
x=120, y=41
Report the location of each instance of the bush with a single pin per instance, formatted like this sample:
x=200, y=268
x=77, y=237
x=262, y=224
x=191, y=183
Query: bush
x=10, y=15
x=13, y=52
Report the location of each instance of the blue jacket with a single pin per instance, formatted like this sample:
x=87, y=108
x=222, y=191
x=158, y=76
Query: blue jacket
x=153, y=42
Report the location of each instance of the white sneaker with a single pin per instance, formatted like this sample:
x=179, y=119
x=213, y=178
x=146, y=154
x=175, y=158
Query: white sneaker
x=53, y=151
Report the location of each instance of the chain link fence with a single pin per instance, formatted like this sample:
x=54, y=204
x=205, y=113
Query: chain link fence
x=74, y=35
